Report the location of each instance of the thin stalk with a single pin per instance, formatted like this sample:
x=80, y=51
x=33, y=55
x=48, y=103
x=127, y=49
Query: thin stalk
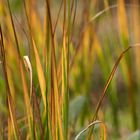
x=64, y=76
x=10, y=102
x=105, y=90
x=54, y=83
x=20, y=61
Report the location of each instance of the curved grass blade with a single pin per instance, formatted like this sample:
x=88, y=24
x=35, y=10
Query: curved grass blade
x=90, y=125
x=29, y=69
x=105, y=90
x=36, y=110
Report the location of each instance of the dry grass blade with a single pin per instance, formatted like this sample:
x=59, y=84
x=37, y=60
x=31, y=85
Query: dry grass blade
x=55, y=106
x=29, y=69
x=37, y=114
x=24, y=84
x=41, y=76
x=65, y=58
x=52, y=96
x=27, y=100
x=74, y=16
x=105, y=89
x=78, y=47
x=58, y=17
x=87, y=25
x=33, y=96
x=93, y=18
x=55, y=98
x=13, y=120
x=15, y=35
x=103, y=131
x=9, y=97
x=90, y=125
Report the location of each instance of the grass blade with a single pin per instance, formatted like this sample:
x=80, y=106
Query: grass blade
x=10, y=103
x=41, y=76
x=105, y=89
x=90, y=125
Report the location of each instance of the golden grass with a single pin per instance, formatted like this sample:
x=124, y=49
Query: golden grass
x=47, y=63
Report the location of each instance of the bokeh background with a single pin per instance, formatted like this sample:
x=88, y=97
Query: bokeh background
x=99, y=31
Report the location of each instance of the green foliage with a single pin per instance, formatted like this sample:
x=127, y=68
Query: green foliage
x=64, y=65
x=75, y=108
x=134, y=136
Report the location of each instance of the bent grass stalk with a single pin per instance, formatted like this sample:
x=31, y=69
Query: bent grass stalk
x=105, y=90
x=46, y=87
x=104, y=137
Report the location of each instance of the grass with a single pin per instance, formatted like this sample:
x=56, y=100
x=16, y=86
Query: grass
x=65, y=69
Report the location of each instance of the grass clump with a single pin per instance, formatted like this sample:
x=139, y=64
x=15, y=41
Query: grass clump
x=55, y=59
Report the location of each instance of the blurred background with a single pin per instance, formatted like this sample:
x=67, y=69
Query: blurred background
x=100, y=31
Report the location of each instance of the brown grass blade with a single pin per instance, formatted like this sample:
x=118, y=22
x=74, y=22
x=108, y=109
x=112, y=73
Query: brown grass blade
x=55, y=26
x=55, y=110
x=10, y=103
x=24, y=84
x=15, y=35
x=105, y=89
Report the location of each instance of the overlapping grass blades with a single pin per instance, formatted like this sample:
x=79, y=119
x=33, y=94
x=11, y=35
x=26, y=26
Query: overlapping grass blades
x=56, y=53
